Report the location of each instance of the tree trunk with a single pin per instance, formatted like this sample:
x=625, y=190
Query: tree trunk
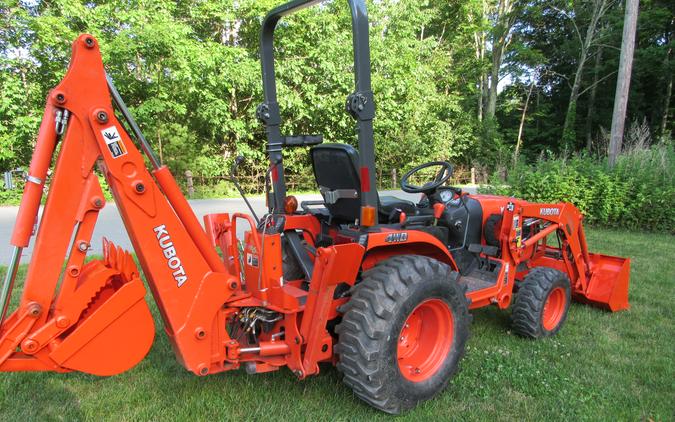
x=569, y=133
x=669, y=92
x=485, y=93
x=480, y=100
x=590, y=115
x=479, y=40
x=497, y=58
x=666, y=107
x=500, y=39
x=522, y=124
x=623, y=82
x=159, y=144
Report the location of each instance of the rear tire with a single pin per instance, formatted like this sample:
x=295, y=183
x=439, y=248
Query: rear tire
x=540, y=308
x=403, y=332
x=291, y=269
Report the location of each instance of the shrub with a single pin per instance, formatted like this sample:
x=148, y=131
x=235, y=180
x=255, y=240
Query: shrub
x=221, y=189
x=638, y=193
x=10, y=197
x=13, y=196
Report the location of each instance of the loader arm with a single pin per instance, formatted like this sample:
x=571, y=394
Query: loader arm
x=92, y=316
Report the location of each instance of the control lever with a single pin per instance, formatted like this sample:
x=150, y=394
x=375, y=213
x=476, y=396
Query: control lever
x=233, y=178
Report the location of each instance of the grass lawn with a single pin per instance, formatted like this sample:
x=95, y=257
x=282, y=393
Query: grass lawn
x=601, y=366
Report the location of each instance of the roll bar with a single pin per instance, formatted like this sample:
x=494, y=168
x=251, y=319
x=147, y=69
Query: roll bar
x=360, y=104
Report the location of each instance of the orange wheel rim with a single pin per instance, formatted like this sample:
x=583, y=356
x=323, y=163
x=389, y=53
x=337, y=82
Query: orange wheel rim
x=554, y=307
x=425, y=340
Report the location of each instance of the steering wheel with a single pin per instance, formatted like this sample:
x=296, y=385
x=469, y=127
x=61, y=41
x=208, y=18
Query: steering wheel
x=441, y=177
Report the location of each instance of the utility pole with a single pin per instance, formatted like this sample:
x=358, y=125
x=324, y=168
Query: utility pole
x=623, y=80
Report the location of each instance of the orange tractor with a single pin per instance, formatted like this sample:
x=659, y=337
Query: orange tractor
x=379, y=286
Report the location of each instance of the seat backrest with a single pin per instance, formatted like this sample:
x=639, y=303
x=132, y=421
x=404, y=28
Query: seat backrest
x=335, y=170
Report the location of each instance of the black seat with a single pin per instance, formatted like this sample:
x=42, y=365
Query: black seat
x=335, y=170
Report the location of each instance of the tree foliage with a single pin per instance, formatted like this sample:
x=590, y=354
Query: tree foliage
x=189, y=71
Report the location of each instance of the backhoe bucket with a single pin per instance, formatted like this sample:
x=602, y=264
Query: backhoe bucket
x=99, y=323
x=608, y=284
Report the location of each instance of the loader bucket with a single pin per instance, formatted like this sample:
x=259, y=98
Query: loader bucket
x=608, y=285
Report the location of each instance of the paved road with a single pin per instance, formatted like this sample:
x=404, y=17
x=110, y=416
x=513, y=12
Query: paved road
x=110, y=224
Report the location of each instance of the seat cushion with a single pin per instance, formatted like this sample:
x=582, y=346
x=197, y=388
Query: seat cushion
x=389, y=203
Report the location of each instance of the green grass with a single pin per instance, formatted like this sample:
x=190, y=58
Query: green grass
x=601, y=366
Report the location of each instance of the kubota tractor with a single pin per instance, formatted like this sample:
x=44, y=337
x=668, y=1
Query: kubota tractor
x=381, y=287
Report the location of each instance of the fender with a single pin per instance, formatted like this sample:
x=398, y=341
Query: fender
x=390, y=243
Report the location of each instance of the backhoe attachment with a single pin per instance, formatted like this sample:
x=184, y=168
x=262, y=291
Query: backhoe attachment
x=90, y=317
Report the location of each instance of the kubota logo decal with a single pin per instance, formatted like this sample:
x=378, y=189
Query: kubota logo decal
x=172, y=259
x=549, y=211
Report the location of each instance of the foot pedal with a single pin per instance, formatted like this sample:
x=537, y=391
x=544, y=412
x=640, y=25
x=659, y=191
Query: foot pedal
x=486, y=249
x=490, y=250
x=475, y=248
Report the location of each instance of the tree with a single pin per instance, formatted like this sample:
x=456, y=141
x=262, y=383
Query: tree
x=503, y=21
x=598, y=10
x=451, y=77
x=623, y=80
x=667, y=80
x=590, y=114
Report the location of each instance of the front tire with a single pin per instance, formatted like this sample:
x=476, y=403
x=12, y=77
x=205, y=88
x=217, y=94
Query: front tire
x=542, y=303
x=403, y=332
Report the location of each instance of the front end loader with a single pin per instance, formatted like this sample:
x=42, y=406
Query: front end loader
x=379, y=286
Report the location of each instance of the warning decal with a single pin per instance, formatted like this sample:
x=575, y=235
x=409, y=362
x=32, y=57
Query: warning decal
x=252, y=260
x=114, y=141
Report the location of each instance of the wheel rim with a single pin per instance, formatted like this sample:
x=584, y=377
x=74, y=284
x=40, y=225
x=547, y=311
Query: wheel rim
x=425, y=340
x=554, y=307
